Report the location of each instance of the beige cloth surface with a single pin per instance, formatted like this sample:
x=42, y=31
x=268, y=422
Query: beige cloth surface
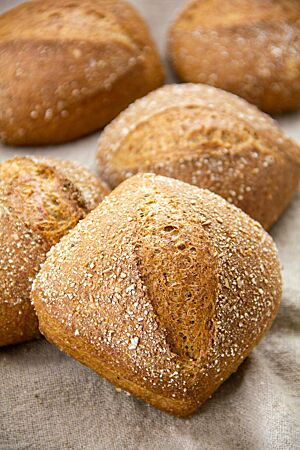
x=49, y=401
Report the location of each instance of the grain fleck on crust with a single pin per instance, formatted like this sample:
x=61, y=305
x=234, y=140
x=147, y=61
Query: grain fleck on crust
x=68, y=67
x=248, y=47
x=163, y=289
x=40, y=200
x=209, y=138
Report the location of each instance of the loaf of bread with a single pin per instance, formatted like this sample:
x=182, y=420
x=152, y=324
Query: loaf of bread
x=163, y=289
x=69, y=66
x=209, y=138
x=248, y=47
x=40, y=200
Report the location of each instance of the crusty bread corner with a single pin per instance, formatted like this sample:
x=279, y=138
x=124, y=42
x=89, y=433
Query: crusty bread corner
x=163, y=289
x=209, y=138
x=69, y=66
x=248, y=47
x=40, y=200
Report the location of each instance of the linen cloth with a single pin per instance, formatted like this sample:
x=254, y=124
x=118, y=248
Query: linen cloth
x=49, y=401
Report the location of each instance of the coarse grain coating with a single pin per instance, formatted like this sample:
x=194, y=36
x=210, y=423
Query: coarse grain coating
x=40, y=200
x=69, y=66
x=248, y=47
x=209, y=138
x=163, y=289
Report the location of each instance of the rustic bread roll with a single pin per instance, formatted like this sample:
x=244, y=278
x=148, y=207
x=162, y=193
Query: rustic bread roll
x=40, y=200
x=209, y=138
x=69, y=66
x=163, y=289
x=248, y=47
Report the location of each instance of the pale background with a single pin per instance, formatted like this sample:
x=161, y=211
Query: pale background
x=48, y=401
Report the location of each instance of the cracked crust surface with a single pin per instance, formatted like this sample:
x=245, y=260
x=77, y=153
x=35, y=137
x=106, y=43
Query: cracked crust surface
x=209, y=138
x=101, y=56
x=40, y=200
x=163, y=289
x=248, y=47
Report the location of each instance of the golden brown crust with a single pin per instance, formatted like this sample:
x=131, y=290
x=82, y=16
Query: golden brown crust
x=40, y=200
x=69, y=67
x=22, y=252
x=209, y=138
x=92, y=190
x=248, y=47
x=163, y=289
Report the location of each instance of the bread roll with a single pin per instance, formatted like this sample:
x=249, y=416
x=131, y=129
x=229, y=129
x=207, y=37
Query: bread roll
x=163, y=289
x=69, y=66
x=248, y=47
x=40, y=200
x=209, y=138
